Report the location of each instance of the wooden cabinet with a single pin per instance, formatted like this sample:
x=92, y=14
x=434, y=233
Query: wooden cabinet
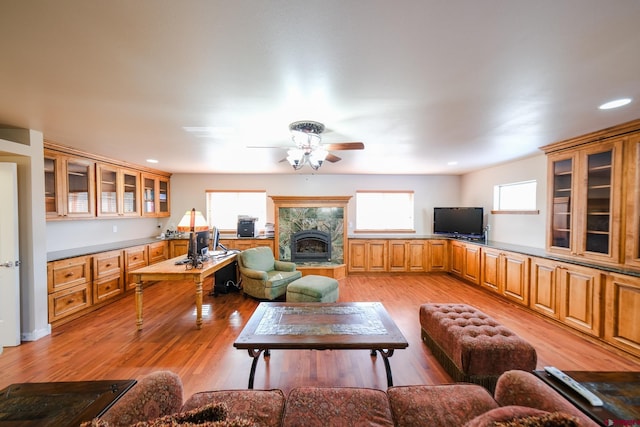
x=108, y=277
x=622, y=312
x=543, y=292
x=438, y=255
x=408, y=255
x=368, y=255
x=118, y=191
x=632, y=175
x=69, y=186
x=158, y=251
x=155, y=195
x=134, y=257
x=69, y=286
x=506, y=273
x=580, y=297
x=178, y=247
x=465, y=261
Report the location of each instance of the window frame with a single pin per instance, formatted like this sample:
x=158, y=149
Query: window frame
x=497, y=198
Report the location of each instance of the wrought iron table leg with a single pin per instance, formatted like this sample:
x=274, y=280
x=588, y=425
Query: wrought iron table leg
x=386, y=354
x=256, y=355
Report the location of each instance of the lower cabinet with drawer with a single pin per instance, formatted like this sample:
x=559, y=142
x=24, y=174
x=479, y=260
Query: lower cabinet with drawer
x=108, y=269
x=69, y=287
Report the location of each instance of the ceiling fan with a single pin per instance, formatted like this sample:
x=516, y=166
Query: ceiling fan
x=309, y=149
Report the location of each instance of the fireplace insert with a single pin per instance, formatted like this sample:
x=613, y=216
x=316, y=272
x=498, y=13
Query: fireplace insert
x=311, y=246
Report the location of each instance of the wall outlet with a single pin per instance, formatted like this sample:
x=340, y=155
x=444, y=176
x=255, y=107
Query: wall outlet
x=115, y=228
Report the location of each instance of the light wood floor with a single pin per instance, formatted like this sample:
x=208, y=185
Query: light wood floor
x=106, y=345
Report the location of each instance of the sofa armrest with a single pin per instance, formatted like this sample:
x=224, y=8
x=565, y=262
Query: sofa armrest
x=253, y=274
x=284, y=266
x=156, y=395
x=521, y=388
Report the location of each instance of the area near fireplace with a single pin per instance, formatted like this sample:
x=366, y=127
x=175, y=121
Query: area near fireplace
x=311, y=231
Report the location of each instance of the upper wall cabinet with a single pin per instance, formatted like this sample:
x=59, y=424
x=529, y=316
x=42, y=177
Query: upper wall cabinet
x=83, y=185
x=155, y=195
x=118, y=191
x=632, y=190
x=587, y=193
x=69, y=186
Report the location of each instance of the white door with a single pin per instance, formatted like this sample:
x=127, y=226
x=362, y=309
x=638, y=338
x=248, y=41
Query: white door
x=9, y=264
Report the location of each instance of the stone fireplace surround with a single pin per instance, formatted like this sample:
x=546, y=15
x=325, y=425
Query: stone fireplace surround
x=322, y=213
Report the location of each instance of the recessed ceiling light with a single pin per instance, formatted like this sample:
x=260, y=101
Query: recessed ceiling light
x=452, y=163
x=615, y=103
x=152, y=161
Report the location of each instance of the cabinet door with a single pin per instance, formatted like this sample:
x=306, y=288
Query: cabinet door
x=158, y=251
x=544, y=287
x=397, y=255
x=622, y=312
x=580, y=289
x=561, y=200
x=130, y=192
x=107, y=190
x=357, y=256
x=417, y=251
x=599, y=204
x=457, y=258
x=514, y=274
x=178, y=247
x=472, y=263
x=155, y=195
x=632, y=174
x=377, y=255
x=54, y=205
x=491, y=270
x=438, y=255
x=79, y=185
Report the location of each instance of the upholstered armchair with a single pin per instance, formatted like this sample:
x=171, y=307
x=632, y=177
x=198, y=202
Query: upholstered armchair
x=263, y=276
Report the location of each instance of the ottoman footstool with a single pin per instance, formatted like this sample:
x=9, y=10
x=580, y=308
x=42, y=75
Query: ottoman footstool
x=313, y=288
x=471, y=346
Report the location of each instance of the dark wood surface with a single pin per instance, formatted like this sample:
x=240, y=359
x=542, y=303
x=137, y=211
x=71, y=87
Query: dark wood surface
x=58, y=404
x=320, y=326
x=104, y=344
x=619, y=392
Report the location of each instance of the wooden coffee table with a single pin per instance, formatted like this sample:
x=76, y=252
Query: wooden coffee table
x=620, y=392
x=58, y=404
x=320, y=326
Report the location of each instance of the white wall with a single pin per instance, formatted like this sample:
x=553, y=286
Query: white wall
x=25, y=148
x=188, y=191
x=525, y=230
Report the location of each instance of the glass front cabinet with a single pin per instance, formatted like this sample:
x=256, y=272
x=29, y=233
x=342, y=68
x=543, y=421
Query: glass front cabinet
x=118, y=191
x=155, y=195
x=69, y=186
x=585, y=201
x=632, y=176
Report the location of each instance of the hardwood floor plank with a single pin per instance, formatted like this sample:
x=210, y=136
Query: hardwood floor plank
x=106, y=344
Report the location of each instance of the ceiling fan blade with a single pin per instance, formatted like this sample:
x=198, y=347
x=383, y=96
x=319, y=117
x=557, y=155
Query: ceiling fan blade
x=344, y=146
x=332, y=158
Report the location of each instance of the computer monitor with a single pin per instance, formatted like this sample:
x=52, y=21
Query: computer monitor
x=202, y=242
x=215, y=235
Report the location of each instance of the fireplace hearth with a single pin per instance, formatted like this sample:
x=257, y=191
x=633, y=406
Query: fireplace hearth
x=311, y=246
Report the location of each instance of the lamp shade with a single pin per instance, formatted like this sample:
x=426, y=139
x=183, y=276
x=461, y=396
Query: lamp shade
x=193, y=221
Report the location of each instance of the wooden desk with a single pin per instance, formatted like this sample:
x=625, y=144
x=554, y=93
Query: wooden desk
x=320, y=326
x=168, y=270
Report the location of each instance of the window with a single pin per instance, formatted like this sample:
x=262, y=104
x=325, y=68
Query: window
x=223, y=208
x=517, y=197
x=384, y=211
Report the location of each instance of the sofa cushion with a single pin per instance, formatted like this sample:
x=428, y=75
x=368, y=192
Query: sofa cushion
x=260, y=258
x=438, y=405
x=155, y=395
x=264, y=407
x=522, y=416
x=336, y=407
x=525, y=389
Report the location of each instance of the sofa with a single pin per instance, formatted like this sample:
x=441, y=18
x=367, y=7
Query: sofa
x=263, y=276
x=520, y=398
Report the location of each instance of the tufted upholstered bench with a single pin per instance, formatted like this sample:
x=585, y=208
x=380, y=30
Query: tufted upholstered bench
x=313, y=288
x=471, y=346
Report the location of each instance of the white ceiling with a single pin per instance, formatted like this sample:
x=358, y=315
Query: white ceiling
x=421, y=82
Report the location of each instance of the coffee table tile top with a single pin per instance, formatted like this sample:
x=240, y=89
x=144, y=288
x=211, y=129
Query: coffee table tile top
x=328, y=320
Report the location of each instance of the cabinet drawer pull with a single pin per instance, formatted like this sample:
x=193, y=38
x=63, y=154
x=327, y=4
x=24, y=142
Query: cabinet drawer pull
x=68, y=275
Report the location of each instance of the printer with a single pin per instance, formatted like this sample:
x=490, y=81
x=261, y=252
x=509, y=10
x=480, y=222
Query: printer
x=247, y=226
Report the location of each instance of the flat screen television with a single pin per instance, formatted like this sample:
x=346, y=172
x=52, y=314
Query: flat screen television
x=459, y=221
x=202, y=242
